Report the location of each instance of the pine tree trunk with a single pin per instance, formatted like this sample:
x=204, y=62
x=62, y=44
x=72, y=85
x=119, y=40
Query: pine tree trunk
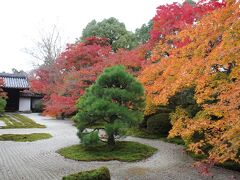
x=111, y=140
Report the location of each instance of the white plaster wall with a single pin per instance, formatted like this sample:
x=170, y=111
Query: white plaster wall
x=24, y=104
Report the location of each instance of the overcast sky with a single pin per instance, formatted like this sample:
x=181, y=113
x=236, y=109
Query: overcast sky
x=21, y=21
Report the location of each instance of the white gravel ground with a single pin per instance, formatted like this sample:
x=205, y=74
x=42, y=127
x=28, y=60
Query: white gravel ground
x=39, y=161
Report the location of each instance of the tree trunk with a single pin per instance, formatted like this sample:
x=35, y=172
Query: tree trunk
x=111, y=140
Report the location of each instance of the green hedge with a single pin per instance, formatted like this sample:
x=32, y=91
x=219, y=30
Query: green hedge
x=38, y=106
x=3, y=104
x=96, y=174
x=159, y=123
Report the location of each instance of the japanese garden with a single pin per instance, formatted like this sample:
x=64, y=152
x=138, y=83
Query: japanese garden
x=162, y=102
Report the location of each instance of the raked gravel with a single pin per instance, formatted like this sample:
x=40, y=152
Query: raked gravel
x=39, y=161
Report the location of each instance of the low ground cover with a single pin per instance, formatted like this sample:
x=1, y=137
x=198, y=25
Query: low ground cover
x=96, y=174
x=24, y=137
x=142, y=133
x=122, y=151
x=18, y=121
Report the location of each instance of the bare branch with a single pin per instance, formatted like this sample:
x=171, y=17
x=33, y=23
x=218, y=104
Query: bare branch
x=47, y=48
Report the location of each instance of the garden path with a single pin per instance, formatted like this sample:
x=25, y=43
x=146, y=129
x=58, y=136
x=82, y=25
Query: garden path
x=39, y=161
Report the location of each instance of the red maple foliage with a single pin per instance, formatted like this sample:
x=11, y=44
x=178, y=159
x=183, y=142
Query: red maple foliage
x=2, y=93
x=77, y=68
x=172, y=18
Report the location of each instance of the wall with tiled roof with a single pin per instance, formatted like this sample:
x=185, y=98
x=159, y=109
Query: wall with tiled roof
x=19, y=81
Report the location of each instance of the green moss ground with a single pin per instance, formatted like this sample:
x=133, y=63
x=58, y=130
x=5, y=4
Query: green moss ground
x=96, y=174
x=123, y=151
x=24, y=137
x=18, y=121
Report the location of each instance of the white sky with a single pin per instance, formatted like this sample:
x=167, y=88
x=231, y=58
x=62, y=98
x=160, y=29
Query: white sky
x=21, y=21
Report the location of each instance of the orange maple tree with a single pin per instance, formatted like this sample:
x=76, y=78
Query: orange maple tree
x=209, y=61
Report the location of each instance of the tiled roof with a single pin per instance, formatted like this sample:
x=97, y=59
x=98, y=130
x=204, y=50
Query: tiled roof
x=30, y=94
x=14, y=80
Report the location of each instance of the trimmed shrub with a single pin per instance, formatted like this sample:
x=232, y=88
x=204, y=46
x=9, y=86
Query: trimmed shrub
x=160, y=110
x=38, y=107
x=96, y=174
x=3, y=104
x=159, y=123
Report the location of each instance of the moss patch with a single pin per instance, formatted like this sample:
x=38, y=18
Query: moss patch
x=24, y=137
x=142, y=133
x=136, y=132
x=123, y=151
x=96, y=174
x=18, y=121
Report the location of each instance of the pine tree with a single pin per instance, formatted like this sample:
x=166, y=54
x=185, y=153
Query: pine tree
x=117, y=99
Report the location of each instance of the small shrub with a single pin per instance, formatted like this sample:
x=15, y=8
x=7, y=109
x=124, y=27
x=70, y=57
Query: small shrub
x=96, y=174
x=38, y=107
x=159, y=110
x=159, y=123
x=3, y=104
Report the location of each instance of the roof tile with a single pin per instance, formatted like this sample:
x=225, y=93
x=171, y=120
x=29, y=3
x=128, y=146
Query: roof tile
x=11, y=81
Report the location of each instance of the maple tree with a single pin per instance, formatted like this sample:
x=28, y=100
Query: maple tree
x=3, y=97
x=64, y=81
x=2, y=93
x=172, y=18
x=214, y=130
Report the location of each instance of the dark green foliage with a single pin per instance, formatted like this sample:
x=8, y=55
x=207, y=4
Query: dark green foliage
x=112, y=29
x=143, y=133
x=101, y=173
x=191, y=2
x=161, y=110
x=24, y=137
x=3, y=104
x=143, y=33
x=230, y=165
x=117, y=99
x=90, y=138
x=176, y=140
x=186, y=100
x=159, y=123
x=197, y=136
x=123, y=151
x=38, y=107
x=182, y=104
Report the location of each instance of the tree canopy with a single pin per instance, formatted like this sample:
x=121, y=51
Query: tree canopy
x=117, y=99
x=112, y=29
x=209, y=62
x=143, y=34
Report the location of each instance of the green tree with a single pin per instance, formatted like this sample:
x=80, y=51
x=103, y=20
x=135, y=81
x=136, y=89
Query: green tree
x=110, y=28
x=117, y=99
x=143, y=34
x=127, y=41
